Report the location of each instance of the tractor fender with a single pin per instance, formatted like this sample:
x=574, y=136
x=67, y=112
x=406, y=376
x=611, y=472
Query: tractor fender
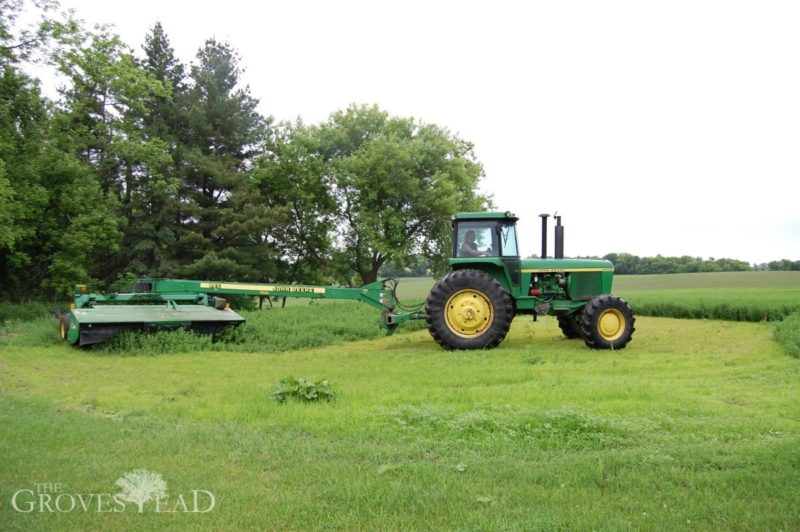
x=493, y=268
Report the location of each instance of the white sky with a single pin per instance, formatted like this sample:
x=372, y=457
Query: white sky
x=666, y=128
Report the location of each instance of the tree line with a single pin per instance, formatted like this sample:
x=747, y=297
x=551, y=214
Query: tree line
x=144, y=165
x=625, y=263
x=780, y=265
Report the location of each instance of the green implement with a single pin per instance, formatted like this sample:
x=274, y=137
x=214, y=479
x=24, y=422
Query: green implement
x=156, y=304
x=96, y=324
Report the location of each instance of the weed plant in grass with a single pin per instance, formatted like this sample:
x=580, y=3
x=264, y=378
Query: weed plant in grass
x=302, y=389
x=156, y=343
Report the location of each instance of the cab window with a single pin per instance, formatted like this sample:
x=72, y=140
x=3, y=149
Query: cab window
x=476, y=239
x=508, y=240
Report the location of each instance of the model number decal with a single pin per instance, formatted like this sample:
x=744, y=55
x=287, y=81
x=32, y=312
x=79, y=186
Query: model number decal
x=263, y=288
x=565, y=270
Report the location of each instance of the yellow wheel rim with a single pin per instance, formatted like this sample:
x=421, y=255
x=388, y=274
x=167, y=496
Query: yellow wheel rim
x=63, y=331
x=611, y=324
x=468, y=313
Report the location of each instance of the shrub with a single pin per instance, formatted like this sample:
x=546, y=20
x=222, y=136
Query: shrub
x=38, y=332
x=28, y=311
x=302, y=389
x=787, y=332
x=156, y=343
x=273, y=330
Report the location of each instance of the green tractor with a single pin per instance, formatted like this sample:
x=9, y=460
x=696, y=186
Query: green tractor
x=472, y=306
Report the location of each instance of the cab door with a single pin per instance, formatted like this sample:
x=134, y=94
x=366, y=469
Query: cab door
x=509, y=253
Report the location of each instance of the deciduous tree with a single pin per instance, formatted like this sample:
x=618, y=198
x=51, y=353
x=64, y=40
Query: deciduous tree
x=293, y=184
x=397, y=183
x=59, y=224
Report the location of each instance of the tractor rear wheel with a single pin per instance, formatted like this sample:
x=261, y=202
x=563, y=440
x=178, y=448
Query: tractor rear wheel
x=607, y=323
x=468, y=309
x=570, y=325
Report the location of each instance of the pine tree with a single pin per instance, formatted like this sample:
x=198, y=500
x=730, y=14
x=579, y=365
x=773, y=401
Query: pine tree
x=152, y=207
x=225, y=228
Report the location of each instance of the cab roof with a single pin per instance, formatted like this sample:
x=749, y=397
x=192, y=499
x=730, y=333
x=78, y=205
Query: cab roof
x=508, y=215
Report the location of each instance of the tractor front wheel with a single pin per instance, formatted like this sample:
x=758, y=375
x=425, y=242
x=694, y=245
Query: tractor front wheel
x=607, y=323
x=468, y=309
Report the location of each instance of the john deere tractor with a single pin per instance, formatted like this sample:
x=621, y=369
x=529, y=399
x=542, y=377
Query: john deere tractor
x=472, y=306
x=469, y=308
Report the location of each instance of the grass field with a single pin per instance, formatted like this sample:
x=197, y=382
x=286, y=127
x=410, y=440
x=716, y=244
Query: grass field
x=695, y=425
x=738, y=296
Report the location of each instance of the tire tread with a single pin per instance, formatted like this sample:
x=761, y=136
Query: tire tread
x=468, y=279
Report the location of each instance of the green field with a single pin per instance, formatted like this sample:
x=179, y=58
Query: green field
x=694, y=426
x=738, y=296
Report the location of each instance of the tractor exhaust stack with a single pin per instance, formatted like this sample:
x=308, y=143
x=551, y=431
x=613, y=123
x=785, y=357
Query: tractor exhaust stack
x=544, y=218
x=559, y=243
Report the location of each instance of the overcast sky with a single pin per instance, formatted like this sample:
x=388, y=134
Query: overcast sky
x=666, y=128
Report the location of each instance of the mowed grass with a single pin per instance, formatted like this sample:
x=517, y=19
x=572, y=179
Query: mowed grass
x=694, y=426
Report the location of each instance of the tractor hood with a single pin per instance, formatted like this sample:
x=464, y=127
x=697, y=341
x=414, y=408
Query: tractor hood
x=565, y=265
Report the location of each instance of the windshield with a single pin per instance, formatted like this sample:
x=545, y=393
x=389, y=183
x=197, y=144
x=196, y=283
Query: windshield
x=485, y=238
x=476, y=239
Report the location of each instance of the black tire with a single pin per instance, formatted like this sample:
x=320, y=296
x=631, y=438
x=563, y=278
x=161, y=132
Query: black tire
x=607, y=323
x=570, y=325
x=468, y=309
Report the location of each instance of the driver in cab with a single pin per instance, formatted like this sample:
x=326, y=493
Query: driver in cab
x=470, y=248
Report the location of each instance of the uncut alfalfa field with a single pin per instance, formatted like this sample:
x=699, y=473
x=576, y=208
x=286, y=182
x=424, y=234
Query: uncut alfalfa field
x=694, y=426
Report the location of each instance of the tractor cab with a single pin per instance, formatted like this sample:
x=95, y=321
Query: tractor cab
x=485, y=234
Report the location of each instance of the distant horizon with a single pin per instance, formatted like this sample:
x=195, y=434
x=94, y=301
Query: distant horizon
x=535, y=256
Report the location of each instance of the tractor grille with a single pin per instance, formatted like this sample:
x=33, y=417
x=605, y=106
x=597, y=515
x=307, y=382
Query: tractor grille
x=584, y=285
